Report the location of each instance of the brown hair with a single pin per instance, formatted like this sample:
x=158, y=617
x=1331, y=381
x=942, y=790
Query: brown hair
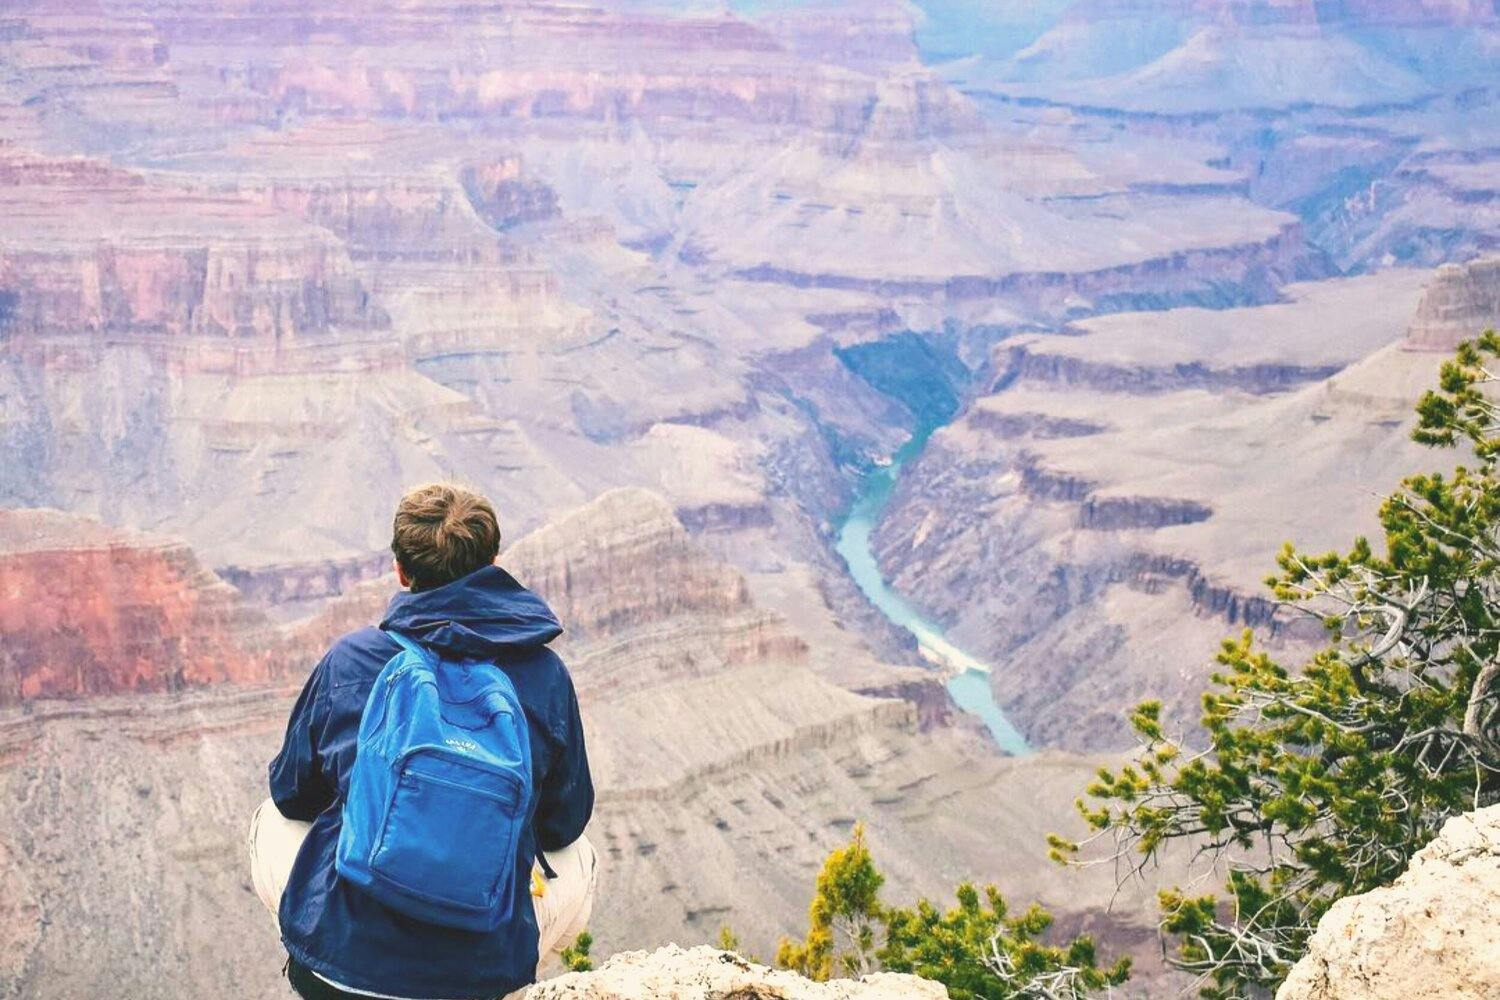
x=443, y=532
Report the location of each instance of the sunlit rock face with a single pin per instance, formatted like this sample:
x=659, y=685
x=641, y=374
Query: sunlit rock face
x=1427, y=935
x=86, y=611
x=674, y=973
x=1461, y=301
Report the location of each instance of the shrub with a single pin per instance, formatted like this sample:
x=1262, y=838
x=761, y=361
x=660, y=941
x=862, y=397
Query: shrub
x=975, y=949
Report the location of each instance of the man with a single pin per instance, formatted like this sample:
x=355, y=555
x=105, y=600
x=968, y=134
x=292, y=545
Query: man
x=342, y=942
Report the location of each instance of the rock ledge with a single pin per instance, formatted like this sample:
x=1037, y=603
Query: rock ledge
x=1432, y=933
x=673, y=973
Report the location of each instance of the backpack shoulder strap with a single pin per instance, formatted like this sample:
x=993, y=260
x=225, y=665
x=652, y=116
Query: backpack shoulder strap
x=409, y=644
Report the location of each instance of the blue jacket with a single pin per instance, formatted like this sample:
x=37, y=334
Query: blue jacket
x=348, y=937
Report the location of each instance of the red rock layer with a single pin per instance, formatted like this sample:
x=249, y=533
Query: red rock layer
x=85, y=611
x=207, y=279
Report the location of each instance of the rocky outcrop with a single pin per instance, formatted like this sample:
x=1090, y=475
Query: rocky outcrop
x=504, y=198
x=1462, y=302
x=640, y=569
x=1430, y=935
x=674, y=973
x=1149, y=572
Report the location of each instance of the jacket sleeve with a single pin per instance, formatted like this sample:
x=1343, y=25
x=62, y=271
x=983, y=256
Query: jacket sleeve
x=566, y=799
x=299, y=787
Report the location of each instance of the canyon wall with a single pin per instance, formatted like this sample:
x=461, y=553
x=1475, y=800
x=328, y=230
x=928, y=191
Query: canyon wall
x=1097, y=523
x=1461, y=301
x=86, y=610
x=727, y=768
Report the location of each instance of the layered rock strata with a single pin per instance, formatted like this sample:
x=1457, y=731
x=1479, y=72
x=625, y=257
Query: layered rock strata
x=1461, y=301
x=87, y=610
x=1099, y=522
x=726, y=766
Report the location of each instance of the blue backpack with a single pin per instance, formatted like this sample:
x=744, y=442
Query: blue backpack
x=439, y=792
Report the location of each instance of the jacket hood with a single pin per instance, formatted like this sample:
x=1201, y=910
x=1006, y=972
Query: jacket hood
x=477, y=616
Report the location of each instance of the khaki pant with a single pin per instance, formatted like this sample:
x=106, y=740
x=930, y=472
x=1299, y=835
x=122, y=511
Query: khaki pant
x=562, y=910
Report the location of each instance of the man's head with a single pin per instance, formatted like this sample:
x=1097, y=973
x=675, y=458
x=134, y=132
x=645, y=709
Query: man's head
x=442, y=532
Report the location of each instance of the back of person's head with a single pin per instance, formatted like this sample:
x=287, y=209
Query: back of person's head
x=443, y=532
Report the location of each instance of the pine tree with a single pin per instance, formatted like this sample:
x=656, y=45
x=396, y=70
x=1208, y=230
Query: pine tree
x=842, y=917
x=1321, y=782
x=975, y=949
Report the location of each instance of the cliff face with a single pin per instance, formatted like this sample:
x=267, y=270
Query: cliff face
x=1098, y=522
x=97, y=251
x=471, y=61
x=1461, y=301
x=1430, y=934
x=88, y=611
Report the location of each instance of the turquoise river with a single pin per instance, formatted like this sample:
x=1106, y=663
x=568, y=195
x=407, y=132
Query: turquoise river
x=969, y=681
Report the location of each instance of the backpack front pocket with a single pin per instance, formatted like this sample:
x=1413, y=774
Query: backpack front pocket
x=449, y=834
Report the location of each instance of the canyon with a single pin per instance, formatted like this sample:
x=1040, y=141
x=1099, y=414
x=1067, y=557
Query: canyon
x=1117, y=295
x=1098, y=523
x=728, y=765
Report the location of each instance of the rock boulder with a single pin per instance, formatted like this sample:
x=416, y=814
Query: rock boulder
x=703, y=973
x=1432, y=933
